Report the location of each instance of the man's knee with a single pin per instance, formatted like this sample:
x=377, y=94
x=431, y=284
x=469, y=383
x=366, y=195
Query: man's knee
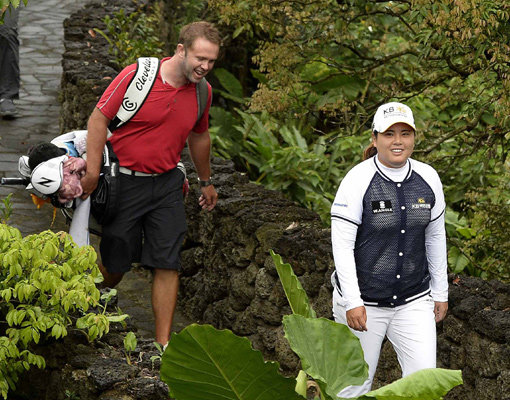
x=111, y=279
x=166, y=273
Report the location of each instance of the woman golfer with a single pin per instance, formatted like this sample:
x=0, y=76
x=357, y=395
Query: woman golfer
x=389, y=246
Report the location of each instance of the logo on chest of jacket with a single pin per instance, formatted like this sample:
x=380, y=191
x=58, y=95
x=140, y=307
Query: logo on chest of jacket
x=420, y=203
x=381, y=206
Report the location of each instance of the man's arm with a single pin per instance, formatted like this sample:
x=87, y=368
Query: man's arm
x=96, y=139
x=200, y=150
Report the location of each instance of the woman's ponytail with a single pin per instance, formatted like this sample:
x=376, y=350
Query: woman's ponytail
x=369, y=151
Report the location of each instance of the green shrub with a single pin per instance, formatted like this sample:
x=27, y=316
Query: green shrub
x=47, y=287
x=182, y=12
x=282, y=157
x=6, y=209
x=475, y=244
x=11, y=5
x=133, y=35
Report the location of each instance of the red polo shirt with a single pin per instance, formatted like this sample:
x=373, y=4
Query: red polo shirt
x=153, y=139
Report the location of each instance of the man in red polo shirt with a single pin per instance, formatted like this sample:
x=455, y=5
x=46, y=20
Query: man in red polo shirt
x=150, y=223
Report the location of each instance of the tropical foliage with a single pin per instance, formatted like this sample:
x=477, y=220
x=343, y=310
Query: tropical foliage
x=279, y=157
x=203, y=362
x=324, y=67
x=132, y=35
x=8, y=6
x=47, y=287
x=179, y=13
x=319, y=70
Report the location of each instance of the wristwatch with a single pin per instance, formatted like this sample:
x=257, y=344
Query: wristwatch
x=204, y=183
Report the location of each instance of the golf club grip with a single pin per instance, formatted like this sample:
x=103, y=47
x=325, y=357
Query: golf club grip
x=13, y=181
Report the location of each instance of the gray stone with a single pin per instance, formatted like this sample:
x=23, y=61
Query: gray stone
x=323, y=304
x=278, y=296
x=289, y=361
x=266, y=311
x=454, y=329
x=450, y=355
x=241, y=291
x=107, y=372
x=251, y=273
x=485, y=357
x=469, y=306
x=312, y=281
x=268, y=337
x=141, y=388
x=494, y=324
x=487, y=389
x=245, y=324
x=264, y=284
x=504, y=384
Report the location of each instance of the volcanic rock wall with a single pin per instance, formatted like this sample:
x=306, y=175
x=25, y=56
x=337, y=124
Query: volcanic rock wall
x=229, y=279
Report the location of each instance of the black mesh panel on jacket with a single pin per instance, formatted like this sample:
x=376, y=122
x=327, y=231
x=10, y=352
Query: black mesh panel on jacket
x=390, y=252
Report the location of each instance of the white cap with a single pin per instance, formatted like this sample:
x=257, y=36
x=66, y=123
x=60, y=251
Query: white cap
x=392, y=113
x=47, y=177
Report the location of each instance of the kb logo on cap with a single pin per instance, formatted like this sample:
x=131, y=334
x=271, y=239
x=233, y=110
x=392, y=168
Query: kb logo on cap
x=392, y=109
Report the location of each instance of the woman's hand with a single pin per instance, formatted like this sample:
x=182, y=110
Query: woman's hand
x=357, y=318
x=440, y=309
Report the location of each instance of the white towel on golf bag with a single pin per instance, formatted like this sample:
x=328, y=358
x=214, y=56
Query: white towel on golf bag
x=79, y=229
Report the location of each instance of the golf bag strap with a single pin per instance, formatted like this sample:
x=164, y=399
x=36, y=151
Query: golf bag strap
x=202, y=95
x=137, y=91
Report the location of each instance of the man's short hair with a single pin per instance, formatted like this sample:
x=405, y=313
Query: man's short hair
x=200, y=29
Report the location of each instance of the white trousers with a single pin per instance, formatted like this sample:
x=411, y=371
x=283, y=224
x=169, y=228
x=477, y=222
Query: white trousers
x=410, y=328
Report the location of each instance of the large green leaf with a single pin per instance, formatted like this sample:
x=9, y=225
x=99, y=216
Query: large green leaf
x=456, y=260
x=229, y=82
x=202, y=362
x=295, y=293
x=427, y=384
x=329, y=352
x=301, y=383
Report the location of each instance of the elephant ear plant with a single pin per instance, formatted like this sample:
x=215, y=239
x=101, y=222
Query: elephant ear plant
x=202, y=362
